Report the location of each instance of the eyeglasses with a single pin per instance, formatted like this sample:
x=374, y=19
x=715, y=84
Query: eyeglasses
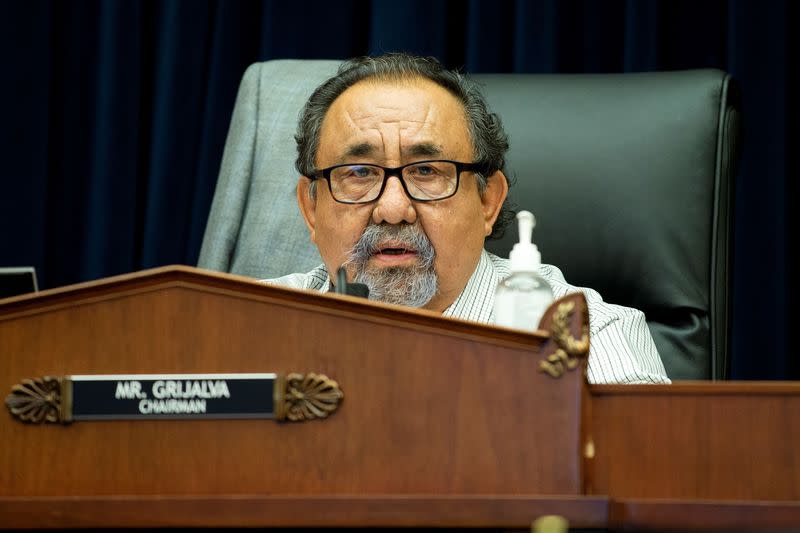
x=423, y=181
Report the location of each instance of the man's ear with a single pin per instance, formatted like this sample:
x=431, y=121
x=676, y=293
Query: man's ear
x=492, y=199
x=307, y=205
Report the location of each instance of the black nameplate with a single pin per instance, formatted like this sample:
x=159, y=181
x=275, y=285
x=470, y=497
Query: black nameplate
x=145, y=396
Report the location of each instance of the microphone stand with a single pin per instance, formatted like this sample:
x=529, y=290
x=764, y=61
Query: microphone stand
x=352, y=289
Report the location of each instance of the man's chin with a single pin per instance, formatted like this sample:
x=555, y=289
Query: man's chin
x=410, y=285
x=392, y=274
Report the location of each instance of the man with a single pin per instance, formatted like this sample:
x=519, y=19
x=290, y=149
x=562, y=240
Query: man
x=402, y=181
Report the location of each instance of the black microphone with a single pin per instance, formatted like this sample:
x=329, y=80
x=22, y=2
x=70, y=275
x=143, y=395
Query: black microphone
x=353, y=289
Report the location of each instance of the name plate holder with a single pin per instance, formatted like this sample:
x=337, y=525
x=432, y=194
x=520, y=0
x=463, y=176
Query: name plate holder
x=67, y=399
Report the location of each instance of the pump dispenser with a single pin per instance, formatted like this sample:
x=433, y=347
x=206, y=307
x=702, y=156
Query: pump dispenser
x=523, y=297
x=525, y=256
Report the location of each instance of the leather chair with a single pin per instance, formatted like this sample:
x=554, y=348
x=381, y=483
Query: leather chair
x=630, y=177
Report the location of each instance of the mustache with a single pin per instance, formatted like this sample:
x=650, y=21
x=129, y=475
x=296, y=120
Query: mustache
x=408, y=236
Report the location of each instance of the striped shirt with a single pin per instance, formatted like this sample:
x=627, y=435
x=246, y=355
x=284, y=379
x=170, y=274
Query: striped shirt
x=621, y=347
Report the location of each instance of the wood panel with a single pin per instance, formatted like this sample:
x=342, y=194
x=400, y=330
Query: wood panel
x=432, y=406
x=709, y=441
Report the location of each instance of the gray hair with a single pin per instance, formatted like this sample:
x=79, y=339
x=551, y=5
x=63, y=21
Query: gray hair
x=489, y=140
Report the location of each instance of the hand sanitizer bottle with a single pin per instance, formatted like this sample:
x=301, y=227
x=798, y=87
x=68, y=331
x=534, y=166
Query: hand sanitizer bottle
x=523, y=297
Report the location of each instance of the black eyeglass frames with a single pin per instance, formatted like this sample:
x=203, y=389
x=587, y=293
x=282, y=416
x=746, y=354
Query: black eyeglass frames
x=423, y=181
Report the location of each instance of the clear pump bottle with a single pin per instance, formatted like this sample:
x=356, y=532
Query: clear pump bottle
x=523, y=297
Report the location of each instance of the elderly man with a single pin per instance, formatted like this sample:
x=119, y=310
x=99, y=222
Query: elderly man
x=402, y=181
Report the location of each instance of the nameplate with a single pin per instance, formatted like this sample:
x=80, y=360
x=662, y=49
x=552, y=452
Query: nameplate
x=172, y=396
x=293, y=397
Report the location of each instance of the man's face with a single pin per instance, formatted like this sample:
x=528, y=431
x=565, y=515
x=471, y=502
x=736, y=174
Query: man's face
x=392, y=124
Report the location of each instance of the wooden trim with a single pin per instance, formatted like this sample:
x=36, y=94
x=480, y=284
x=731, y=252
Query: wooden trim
x=299, y=511
x=393, y=511
x=586, y=446
x=685, y=515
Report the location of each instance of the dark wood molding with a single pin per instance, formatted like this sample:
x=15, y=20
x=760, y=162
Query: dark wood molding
x=414, y=510
x=685, y=515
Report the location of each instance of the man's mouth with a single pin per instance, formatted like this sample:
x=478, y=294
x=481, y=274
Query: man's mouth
x=384, y=247
x=396, y=251
x=395, y=254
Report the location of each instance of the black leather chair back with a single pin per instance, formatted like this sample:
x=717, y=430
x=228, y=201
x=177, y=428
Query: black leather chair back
x=631, y=177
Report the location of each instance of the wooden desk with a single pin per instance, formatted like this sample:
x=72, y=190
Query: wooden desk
x=444, y=423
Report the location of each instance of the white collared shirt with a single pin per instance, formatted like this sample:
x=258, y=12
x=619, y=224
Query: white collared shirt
x=621, y=347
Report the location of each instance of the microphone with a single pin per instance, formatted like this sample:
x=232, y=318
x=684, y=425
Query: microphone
x=352, y=289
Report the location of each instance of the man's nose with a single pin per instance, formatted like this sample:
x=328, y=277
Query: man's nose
x=394, y=206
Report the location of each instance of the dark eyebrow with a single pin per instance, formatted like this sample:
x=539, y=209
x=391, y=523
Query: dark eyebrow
x=426, y=149
x=357, y=150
